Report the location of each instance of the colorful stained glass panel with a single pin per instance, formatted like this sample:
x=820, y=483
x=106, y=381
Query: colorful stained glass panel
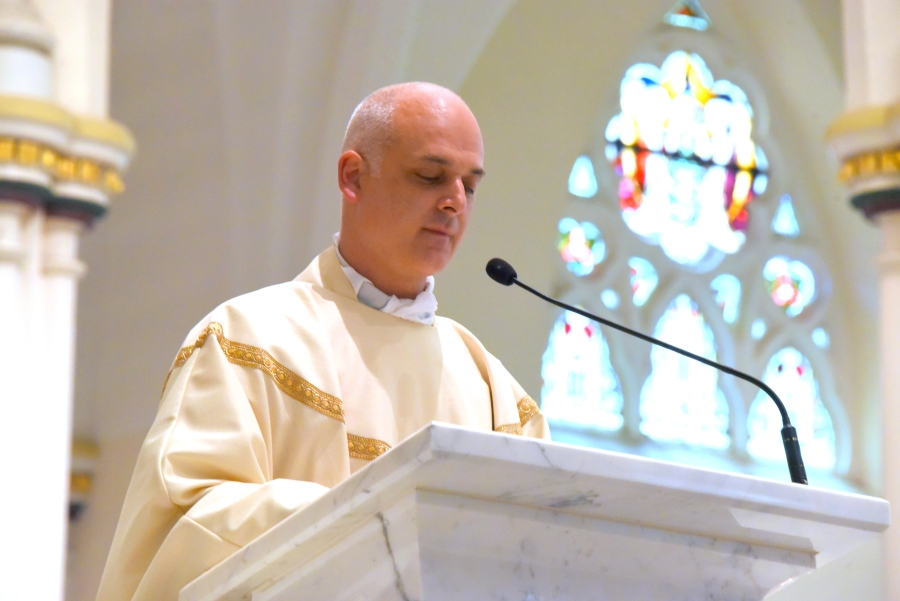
x=580, y=245
x=681, y=400
x=687, y=163
x=791, y=284
x=791, y=376
x=580, y=385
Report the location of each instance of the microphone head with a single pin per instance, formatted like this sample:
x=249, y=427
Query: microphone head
x=501, y=272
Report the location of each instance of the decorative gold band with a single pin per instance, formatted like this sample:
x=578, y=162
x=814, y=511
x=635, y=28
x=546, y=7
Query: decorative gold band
x=60, y=166
x=250, y=356
x=528, y=408
x=868, y=164
x=301, y=390
x=366, y=448
x=510, y=429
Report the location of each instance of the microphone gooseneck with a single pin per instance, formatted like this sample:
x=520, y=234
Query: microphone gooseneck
x=502, y=272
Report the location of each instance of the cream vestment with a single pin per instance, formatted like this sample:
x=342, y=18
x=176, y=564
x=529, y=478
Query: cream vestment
x=278, y=395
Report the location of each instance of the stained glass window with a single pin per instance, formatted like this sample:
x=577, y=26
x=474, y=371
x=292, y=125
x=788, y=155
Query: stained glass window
x=785, y=221
x=758, y=329
x=791, y=376
x=610, y=298
x=687, y=163
x=581, y=245
x=681, y=400
x=791, y=284
x=643, y=279
x=582, y=181
x=687, y=13
x=689, y=175
x=580, y=385
x=821, y=338
x=728, y=295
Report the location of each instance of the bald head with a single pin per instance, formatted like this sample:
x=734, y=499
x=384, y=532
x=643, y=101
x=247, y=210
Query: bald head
x=374, y=126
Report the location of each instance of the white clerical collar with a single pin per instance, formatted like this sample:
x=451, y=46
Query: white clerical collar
x=420, y=309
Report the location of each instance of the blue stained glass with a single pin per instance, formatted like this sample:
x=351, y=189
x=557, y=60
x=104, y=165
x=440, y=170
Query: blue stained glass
x=790, y=375
x=610, y=298
x=821, y=338
x=643, y=278
x=758, y=329
x=785, y=221
x=760, y=184
x=580, y=385
x=728, y=295
x=681, y=400
x=582, y=180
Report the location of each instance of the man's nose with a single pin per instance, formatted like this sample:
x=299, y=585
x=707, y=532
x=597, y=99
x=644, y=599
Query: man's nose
x=455, y=198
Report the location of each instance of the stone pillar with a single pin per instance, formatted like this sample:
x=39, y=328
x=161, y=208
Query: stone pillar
x=866, y=140
x=60, y=161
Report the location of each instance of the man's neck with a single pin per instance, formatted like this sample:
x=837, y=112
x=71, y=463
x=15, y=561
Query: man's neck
x=366, y=265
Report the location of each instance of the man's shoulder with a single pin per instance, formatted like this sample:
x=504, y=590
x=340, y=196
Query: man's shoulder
x=249, y=315
x=451, y=327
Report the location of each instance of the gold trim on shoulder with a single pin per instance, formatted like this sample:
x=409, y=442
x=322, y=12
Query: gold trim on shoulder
x=527, y=409
x=250, y=356
x=366, y=448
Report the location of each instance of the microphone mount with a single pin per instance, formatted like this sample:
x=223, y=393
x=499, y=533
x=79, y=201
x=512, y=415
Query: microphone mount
x=502, y=272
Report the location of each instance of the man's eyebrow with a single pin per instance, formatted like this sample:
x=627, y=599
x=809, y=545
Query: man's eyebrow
x=433, y=158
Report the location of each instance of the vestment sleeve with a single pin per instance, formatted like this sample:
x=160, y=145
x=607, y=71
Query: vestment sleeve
x=204, y=484
x=217, y=462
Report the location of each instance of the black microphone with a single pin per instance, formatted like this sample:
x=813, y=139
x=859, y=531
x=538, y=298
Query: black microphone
x=502, y=272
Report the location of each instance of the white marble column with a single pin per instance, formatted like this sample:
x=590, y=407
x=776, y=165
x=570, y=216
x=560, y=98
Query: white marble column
x=866, y=140
x=61, y=160
x=889, y=264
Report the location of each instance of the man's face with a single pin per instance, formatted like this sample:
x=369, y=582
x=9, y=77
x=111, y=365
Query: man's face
x=418, y=200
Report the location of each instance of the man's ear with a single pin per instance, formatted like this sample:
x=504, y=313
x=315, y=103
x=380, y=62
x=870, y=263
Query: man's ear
x=350, y=169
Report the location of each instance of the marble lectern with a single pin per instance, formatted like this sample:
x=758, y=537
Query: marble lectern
x=455, y=514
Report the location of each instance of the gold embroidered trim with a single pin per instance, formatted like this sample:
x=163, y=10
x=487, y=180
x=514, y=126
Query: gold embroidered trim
x=250, y=356
x=510, y=429
x=366, y=448
x=527, y=409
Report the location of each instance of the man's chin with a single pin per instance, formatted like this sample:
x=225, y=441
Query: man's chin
x=434, y=262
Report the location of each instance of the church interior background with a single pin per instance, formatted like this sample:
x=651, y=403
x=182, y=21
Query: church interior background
x=237, y=109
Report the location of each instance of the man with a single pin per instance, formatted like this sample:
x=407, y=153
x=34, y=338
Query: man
x=280, y=394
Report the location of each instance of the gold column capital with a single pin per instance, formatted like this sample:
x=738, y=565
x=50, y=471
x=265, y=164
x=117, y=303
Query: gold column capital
x=866, y=142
